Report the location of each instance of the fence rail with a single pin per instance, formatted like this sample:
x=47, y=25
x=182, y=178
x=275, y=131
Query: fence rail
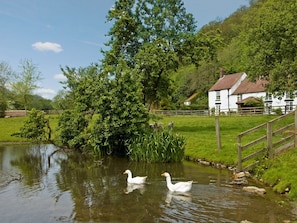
x=278, y=110
x=206, y=112
x=266, y=140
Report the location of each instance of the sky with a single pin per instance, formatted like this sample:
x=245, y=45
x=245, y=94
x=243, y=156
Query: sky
x=59, y=33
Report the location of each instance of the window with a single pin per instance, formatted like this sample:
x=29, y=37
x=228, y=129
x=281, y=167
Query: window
x=268, y=97
x=218, y=96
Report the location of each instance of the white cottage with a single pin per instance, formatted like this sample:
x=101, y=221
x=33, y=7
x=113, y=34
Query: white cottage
x=220, y=94
x=230, y=91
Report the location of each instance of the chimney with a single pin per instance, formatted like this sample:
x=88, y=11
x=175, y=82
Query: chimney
x=222, y=72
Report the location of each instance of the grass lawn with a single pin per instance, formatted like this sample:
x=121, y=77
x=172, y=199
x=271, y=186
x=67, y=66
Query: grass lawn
x=9, y=126
x=200, y=135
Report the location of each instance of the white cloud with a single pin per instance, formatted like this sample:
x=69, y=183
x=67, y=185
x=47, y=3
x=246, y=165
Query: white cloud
x=45, y=92
x=47, y=46
x=60, y=77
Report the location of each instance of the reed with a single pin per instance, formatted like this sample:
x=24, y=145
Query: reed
x=157, y=146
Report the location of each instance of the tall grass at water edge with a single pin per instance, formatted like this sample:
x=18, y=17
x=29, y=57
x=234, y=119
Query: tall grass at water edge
x=157, y=146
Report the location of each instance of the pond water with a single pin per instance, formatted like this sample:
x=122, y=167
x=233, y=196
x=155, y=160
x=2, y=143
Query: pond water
x=69, y=188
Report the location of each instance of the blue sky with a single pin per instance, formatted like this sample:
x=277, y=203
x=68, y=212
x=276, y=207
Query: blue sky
x=59, y=33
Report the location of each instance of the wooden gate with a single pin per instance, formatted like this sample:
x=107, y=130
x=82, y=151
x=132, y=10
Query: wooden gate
x=266, y=140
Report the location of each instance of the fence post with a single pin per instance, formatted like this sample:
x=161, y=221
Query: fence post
x=218, y=134
x=295, y=127
x=239, y=164
x=269, y=139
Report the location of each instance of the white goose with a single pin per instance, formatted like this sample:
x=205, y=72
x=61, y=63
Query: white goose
x=178, y=187
x=134, y=180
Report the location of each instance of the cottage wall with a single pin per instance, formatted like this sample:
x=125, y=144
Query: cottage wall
x=228, y=100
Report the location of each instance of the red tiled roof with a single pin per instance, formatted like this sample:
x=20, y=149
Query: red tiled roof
x=247, y=86
x=226, y=82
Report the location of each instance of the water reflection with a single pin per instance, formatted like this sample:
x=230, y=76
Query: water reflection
x=70, y=188
x=184, y=197
x=131, y=187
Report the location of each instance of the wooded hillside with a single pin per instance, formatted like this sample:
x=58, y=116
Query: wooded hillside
x=259, y=40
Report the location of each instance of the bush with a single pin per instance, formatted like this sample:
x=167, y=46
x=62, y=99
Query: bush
x=278, y=111
x=157, y=146
x=35, y=127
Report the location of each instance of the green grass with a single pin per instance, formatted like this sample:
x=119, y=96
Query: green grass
x=9, y=126
x=280, y=172
x=200, y=135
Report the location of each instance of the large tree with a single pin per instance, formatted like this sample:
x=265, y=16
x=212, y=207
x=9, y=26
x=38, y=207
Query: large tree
x=150, y=36
x=271, y=45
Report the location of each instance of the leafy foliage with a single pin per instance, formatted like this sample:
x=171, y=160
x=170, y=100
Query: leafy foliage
x=272, y=45
x=62, y=101
x=155, y=38
x=122, y=116
x=83, y=85
x=72, y=127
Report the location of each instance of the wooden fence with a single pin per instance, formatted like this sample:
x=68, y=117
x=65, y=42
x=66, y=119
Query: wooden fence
x=276, y=110
x=266, y=140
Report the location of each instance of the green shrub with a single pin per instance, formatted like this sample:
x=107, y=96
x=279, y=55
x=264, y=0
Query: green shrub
x=278, y=111
x=157, y=146
x=35, y=127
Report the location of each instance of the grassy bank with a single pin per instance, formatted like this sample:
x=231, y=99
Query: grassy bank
x=201, y=143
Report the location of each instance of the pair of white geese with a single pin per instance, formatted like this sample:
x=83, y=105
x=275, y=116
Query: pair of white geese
x=177, y=187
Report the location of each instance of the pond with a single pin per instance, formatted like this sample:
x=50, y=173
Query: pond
x=38, y=186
